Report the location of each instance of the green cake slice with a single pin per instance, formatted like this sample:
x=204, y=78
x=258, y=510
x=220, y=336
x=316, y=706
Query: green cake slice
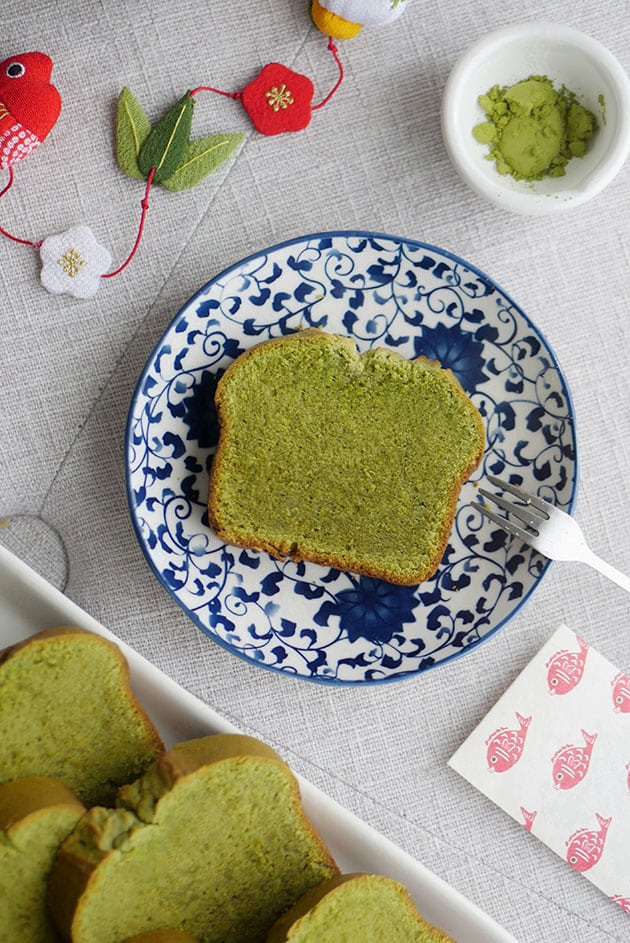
x=212, y=840
x=67, y=710
x=36, y=814
x=348, y=460
x=163, y=936
x=356, y=908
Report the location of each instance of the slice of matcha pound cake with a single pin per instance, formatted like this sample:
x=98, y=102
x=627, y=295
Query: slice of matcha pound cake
x=163, y=936
x=67, y=711
x=349, y=460
x=36, y=814
x=212, y=840
x=356, y=908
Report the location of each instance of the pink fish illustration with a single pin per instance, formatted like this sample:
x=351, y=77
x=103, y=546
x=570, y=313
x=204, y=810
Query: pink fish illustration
x=505, y=745
x=621, y=693
x=585, y=846
x=528, y=818
x=571, y=762
x=624, y=902
x=565, y=669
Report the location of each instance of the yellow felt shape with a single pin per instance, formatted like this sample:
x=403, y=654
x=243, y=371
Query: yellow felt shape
x=332, y=25
x=343, y=19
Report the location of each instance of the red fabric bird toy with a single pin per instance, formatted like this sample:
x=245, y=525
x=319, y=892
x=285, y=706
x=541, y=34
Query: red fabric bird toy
x=29, y=105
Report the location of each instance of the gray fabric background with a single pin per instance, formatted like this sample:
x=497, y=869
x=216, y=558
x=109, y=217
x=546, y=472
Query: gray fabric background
x=373, y=159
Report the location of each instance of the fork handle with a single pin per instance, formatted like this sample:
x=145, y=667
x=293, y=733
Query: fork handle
x=587, y=556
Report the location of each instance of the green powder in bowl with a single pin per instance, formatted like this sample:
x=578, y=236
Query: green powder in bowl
x=533, y=130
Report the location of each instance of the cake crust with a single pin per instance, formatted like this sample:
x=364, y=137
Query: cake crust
x=332, y=911
x=36, y=814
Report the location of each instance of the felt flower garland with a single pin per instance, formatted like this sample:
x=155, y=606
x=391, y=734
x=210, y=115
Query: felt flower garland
x=177, y=161
x=29, y=105
x=73, y=263
x=343, y=19
x=278, y=100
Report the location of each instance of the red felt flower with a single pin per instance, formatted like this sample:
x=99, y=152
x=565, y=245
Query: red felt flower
x=278, y=100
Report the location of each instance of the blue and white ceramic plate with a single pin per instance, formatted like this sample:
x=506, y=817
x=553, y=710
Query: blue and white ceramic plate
x=307, y=620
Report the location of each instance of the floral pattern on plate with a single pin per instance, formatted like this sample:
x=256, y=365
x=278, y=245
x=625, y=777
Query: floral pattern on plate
x=308, y=620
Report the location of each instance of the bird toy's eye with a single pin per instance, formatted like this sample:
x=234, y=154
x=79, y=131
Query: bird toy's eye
x=15, y=70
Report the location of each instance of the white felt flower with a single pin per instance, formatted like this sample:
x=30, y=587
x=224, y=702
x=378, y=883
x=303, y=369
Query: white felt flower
x=73, y=263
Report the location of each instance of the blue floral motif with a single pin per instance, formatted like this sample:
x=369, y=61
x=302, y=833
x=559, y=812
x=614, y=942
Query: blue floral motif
x=199, y=412
x=311, y=621
x=455, y=349
x=375, y=610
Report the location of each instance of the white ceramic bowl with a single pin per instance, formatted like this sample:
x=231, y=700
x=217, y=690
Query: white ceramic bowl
x=566, y=56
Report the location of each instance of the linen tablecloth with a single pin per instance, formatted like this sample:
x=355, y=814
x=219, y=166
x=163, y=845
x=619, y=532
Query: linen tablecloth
x=372, y=159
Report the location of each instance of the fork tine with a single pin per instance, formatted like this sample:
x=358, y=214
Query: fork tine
x=504, y=523
x=532, y=499
x=524, y=513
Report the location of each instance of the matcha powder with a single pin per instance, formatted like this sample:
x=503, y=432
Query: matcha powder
x=532, y=129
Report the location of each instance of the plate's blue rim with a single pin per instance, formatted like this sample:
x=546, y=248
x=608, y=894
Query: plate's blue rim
x=345, y=234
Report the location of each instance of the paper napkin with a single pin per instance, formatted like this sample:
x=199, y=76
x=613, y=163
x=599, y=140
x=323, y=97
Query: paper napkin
x=554, y=753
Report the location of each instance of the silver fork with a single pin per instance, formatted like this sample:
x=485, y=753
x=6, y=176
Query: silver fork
x=550, y=531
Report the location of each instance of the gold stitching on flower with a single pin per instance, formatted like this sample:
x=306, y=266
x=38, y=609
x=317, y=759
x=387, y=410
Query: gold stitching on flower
x=4, y=111
x=71, y=262
x=279, y=97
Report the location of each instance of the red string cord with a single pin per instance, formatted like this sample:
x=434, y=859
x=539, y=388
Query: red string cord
x=23, y=242
x=145, y=200
x=335, y=53
x=145, y=206
x=2, y=192
x=217, y=91
x=236, y=95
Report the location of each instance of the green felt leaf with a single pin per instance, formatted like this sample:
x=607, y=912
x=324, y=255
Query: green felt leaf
x=132, y=130
x=202, y=157
x=166, y=145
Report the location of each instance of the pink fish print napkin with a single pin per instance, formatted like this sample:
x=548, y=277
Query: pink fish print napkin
x=554, y=753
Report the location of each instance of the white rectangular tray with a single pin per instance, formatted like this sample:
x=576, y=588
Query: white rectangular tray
x=28, y=603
